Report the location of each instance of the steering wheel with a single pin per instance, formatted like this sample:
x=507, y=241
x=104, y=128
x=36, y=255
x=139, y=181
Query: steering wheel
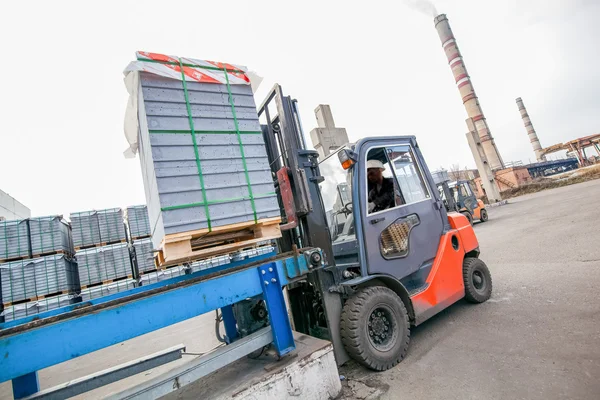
x=347, y=208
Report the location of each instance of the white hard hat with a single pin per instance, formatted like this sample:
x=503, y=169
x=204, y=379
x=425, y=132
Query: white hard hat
x=375, y=164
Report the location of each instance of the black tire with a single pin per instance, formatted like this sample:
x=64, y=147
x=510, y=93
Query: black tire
x=469, y=216
x=483, y=215
x=375, y=328
x=477, y=279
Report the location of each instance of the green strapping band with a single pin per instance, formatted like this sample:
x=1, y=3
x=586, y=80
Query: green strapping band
x=178, y=207
x=196, y=153
x=237, y=129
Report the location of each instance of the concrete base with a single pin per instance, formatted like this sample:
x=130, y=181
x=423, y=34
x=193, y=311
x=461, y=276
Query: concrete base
x=310, y=372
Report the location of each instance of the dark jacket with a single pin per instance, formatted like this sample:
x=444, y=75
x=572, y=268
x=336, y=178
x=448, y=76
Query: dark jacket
x=384, y=197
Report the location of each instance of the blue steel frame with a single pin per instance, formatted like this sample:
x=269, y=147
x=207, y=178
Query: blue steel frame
x=24, y=353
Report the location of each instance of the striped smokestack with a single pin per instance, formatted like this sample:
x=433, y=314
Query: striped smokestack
x=469, y=98
x=535, y=142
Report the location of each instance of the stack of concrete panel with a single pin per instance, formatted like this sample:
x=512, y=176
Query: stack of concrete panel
x=210, y=263
x=112, y=227
x=218, y=261
x=100, y=264
x=108, y=289
x=137, y=221
x=35, y=307
x=163, y=275
x=50, y=234
x=144, y=255
x=180, y=176
x=33, y=278
x=14, y=239
x=86, y=228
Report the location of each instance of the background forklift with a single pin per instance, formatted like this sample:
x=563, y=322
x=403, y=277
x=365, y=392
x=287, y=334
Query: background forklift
x=458, y=196
x=384, y=271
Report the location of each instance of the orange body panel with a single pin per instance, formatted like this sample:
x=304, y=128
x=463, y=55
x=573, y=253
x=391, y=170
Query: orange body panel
x=477, y=213
x=465, y=231
x=445, y=284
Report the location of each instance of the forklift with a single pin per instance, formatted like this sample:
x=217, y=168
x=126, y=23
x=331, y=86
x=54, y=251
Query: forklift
x=458, y=196
x=385, y=270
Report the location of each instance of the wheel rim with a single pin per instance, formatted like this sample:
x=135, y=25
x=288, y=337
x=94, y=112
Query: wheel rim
x=478, y=280
x=381, y=328
x=483, y=214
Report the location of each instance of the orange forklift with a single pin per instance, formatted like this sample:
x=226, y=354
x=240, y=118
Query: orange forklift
x=393, y=256
x=458, y=196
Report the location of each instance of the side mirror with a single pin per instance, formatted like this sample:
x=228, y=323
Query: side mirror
x=347, y=158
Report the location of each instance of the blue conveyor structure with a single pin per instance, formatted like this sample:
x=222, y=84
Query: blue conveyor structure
x=33, y=343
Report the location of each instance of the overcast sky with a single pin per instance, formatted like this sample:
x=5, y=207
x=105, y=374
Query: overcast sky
x=378, y=64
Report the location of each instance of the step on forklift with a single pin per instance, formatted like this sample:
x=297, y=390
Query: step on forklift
x=386, y=268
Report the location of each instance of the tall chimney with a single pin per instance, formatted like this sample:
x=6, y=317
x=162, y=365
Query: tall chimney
x=465, y=87
x=535, y=142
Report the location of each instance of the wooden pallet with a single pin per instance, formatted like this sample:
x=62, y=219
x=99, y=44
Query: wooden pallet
x=35, y=298
x=196, y=245
x=91, y=246
x=14, y=258
x=38, y=255
x=133, y=238
x=50, y=253
x=106, y=282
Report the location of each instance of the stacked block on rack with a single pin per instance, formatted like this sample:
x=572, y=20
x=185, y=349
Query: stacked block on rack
x=144, y=255
x=30, y=308
x=50, y=235
x=97, y=227
x=39, y=272
x=14, y=239
x=99, y=265
x=138, y=223
x=103, y=258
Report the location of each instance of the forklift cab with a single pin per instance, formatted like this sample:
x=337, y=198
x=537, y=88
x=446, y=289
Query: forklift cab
x=393, y=241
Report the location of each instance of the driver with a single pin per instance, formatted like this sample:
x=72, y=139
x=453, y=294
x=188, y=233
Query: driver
x=381, y=189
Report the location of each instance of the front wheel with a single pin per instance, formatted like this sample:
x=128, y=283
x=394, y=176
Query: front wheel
x=375, y=328
x=483, y=215
x=477, y=279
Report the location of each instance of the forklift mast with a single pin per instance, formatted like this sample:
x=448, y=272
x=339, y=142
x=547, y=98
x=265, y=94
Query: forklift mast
x=314, y=303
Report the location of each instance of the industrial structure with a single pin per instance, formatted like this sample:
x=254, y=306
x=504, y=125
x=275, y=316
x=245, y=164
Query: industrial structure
x=327, y=137
x=467, y=92
x=533, y=138
x=11, y=208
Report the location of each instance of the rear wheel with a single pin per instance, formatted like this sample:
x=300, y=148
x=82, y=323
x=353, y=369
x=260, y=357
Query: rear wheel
x=375, y=328
x=469, y=216
x=483, y=215
x=477, y=279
